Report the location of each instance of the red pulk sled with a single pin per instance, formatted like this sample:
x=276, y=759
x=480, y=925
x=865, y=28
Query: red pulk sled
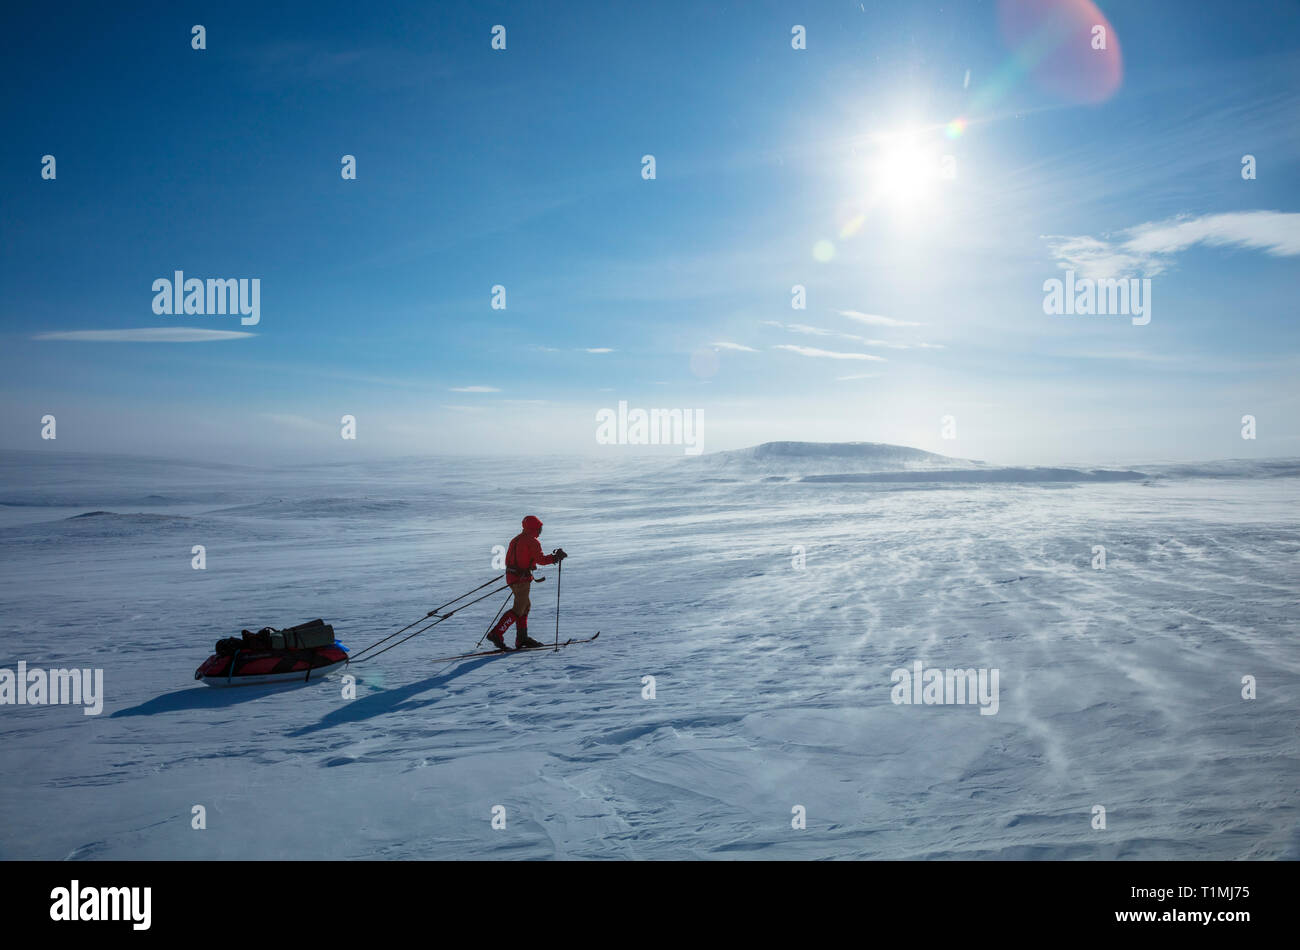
x=293, y=655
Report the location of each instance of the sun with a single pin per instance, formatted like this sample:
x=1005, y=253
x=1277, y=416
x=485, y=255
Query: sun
x=904, y=174
x=901, y=174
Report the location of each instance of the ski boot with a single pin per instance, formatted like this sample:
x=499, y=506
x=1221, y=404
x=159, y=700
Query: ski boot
x=523, y=640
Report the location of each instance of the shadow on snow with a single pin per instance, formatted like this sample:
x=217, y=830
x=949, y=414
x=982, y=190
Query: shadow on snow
x=367, y=707
x=387, y=700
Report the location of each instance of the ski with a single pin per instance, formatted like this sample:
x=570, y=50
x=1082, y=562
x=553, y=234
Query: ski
x=545, y=646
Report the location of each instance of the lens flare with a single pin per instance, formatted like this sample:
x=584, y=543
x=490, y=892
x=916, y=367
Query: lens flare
x=1066, y=47
x=852, y=226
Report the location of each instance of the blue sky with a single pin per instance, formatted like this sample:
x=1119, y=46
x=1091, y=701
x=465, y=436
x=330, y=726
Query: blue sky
x=774, y=167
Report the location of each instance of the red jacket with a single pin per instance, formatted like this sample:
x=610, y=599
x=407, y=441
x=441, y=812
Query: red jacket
x=525, y=553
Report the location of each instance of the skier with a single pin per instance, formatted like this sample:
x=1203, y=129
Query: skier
x=524, y=554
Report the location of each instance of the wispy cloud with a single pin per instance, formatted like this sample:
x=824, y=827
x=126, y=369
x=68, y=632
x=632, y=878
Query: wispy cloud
x=474, y=389
x=1145, y=250
x=826, y=354
x=857, y=376
x=800, y=328
x=145, y=335
x=865, y=341
x=805, y=328
x=600, y=349
x=1273, y=232
x=1095, y=258
x=734, y=346
x=875, y=319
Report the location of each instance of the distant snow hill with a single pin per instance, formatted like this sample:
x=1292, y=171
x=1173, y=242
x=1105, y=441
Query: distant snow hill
x=805, y=457
x=882, y=462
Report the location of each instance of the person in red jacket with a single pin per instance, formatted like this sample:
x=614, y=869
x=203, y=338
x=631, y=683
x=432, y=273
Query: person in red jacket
x=524, y=554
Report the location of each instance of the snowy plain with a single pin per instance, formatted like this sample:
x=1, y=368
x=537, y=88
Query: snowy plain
x=1119, y=687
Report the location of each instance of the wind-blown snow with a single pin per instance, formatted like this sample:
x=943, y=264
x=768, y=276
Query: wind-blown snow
x=805, y=458
x=1118, y=687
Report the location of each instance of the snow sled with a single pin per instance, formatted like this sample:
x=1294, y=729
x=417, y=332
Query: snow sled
x=272, y=666
x=293, y=655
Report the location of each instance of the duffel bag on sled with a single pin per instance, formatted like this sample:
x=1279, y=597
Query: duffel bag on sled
x=305, y=636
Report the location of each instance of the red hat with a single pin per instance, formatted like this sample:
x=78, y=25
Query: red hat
x=533, y=525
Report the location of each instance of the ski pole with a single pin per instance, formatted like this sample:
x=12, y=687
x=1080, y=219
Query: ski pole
x=559, y=578
x=495, y=618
